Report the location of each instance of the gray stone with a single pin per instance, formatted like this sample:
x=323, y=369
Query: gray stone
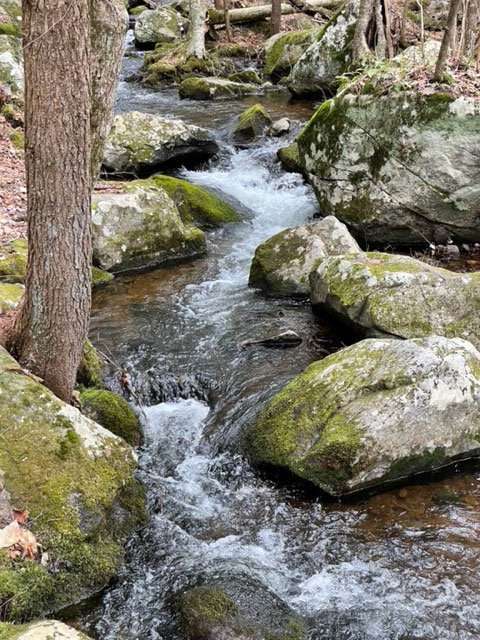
x=163, y=24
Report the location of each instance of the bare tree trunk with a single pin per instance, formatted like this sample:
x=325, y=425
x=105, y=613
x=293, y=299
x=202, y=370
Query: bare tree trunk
x=228, y=26
x=381, y=40
x=72, y=52
x=52, y=324
x=276, y=17
x=472, y=30
x=219, y=5
x=360, y=47
x=198, y=13
x=447, y=40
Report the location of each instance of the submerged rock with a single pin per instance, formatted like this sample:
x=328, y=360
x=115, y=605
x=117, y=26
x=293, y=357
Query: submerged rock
x=211, y=88
x=141, y=228
x=282, y=264
x=376, y=412
x=112, y=412
x=285, y=339
x=142, y=143
x=251, y=123
x=160, y=25
x=329, y=55
x=397, y=168
x=44, y=630
x=384, y=294
x=283, y=50
x=76, y=480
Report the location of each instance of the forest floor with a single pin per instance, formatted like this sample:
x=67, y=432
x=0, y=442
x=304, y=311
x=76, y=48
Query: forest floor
x=13, y=192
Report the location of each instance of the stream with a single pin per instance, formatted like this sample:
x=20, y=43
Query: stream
x=402, y=565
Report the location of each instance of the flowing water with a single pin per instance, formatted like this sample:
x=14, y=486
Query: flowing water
x=397, y=566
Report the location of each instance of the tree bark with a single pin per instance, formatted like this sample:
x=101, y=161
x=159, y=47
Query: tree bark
x=228, y=27
x=276, y=17
x=198, y=13
x=360, y=48
x=447, y=39
x=68, y=102
x=219, y=5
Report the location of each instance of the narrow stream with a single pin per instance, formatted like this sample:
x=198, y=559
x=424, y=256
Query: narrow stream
x=397, y=566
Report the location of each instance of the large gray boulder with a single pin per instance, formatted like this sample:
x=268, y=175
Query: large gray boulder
x=213, y=88
x=282, y=264
x=329, y=55
x=283, y=50
x=401, y=168
x=43, y=630
x=140, y=228
x=142, y=143
x=376, y=412
x=160, y=25
x=383, y=294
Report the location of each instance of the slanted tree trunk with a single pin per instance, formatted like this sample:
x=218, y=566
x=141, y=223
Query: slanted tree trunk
x=61, y=158
x=276, y=17
x=198, y=13
x=447, y=40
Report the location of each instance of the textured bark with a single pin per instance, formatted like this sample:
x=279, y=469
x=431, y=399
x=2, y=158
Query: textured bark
x=228, y=27
x=276, y=17
x=373, y=31
x=360, y=47
x=198, y=12
x=472, y=30
x=447, y=39
x=219, y=5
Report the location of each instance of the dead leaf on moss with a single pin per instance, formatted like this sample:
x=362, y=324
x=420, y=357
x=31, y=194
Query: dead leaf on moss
x=20, y=542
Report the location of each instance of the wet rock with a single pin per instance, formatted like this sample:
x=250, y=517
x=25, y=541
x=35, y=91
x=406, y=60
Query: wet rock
x=142, y=143
x=283, y=50
x=141, y=228
x=290, y=158
x=385, y=294
x=251, y=123
x=398, y=168
x=373, y=413
x=10, y=296
x=44, y=630
x=329, y=55
x=72, y=471
x=160, y=25
x=112, y=412
x=280, y=127
x=282, y=264
x=282, y=340
x=247, y=75
x=211, y=88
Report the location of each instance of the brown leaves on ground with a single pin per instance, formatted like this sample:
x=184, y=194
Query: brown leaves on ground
x=13, y=194
x=17, y=539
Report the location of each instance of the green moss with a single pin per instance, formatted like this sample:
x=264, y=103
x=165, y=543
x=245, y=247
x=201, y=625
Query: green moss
x=196, y=88
x=290, y=158
x=101, y=277
x=10, y=296
x=112, y=412
x=90, y=372
x=17, y=138
x=285, y=51
x=249, y=75
x=13, y=261
x=9, y=29
x=203, y=608
x=136, y=11
x=232, y=50
x=252, y=122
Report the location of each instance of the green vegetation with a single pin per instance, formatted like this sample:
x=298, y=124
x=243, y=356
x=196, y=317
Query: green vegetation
x=112, y=412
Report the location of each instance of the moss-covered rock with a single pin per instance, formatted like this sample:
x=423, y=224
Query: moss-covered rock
x=375, y=412
x=163, y=24
x=196, y=204
x=396, y=168
x=13, y=261
x=385, y=294
x=44, y=630
x=76, y=479
x=282, y=264
x=252, y=123
x=142, y=143
x=100, y=277
x=112, y=412
x=283, y=50
x=290, y=158
x=141, y=228
x=91, y=370
x=10, y=296
x=211, y=88
x=247, y=75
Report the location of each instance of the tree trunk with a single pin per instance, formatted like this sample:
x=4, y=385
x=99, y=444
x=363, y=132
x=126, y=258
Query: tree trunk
x=68, y=102
x=198, y=12
x=228, y=27
x=276, y=17
x=219, y=5
x=447, y=39
x=360, y=47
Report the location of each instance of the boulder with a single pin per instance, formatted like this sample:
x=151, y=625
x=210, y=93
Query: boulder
x=282, y=264
x=112, y=412
x=160, y=25
x=10, y=296
x=290, y=158
x=251, y=123
x=376, y=412
x=329, y=55
x=280, y=127
x=247, y=75
x=211, y=88
x=43, y=630
x=382, y=294
x=398, y=168
x=196, y=204
x=76, y=480
x=140, y=228
x=92, y=367
x=283, y=50
x=142, y=143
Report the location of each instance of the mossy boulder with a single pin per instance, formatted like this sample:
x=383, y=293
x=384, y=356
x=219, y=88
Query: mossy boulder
x=212, y=88
x=196, y=204
x=13, y=261
x=290, y=158
x=100, y=277
x=141, y=228
x=376, y=412
x=247, y=75
x=43, y=630
x=76, y=480
x=163, y=24
x=397, y=168
x=252, y=123
x=239, y=609
x=112, y=412
x=283, y=50
x=143, y=143
x=172, y=62
x=10, y=296
x=383, y=294
x=282, y=264
x=91, y=370
x=317, y=69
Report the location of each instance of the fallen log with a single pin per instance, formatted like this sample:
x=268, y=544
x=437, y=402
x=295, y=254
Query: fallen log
x=262, y=11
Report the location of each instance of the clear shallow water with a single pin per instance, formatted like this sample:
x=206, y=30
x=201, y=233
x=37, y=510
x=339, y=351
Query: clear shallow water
x=398, y=566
